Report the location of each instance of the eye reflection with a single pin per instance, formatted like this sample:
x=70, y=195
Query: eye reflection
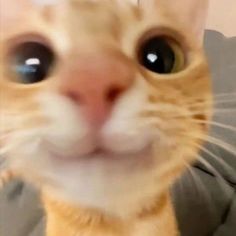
x=31, y=62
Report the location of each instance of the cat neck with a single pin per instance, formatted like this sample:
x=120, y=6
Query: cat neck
x=64, y=219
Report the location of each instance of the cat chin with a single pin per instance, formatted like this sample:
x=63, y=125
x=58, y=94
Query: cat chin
x=118, y=187
x=129, y=205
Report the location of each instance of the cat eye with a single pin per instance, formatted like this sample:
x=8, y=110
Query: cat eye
x=31, y=62
x=161, y=55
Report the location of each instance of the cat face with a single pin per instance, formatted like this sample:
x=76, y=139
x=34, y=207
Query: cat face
x=103, y=103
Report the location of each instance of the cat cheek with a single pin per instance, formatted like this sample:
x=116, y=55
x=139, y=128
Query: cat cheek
x=126, y=136
x=68, y=134
x=124, y=142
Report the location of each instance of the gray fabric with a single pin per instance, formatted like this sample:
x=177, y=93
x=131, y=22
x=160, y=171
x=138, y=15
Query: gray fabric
x=205, y=206
x=20, y=210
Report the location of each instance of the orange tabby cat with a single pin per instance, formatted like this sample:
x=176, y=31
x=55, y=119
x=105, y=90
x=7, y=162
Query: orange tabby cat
x=103, y=105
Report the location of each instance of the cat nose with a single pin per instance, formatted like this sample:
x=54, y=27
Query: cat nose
x=95, y=82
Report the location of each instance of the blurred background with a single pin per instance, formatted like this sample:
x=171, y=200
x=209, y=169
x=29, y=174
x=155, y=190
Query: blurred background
x=222, y=17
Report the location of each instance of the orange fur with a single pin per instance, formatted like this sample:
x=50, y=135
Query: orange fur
x=126, y=196
x=68, y=220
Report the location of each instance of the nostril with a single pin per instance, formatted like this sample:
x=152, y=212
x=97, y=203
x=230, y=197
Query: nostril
x=113, y=93
x=74, y=97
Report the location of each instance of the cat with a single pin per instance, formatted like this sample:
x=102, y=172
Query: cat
x=103, y=106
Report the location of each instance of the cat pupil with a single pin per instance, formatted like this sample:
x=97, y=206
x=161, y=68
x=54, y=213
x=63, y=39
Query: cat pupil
x=157, y=55
x=31, y=62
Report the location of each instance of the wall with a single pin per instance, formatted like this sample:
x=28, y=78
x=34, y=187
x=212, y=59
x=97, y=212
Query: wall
x=222, y=17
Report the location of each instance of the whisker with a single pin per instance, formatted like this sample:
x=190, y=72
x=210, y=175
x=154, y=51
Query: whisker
x=186, y=108
x=220, y=180
x=212, y=102
x=201, y=111
x=197, y=181
x=2, y=163
x=197, y=185
x=223, y=110
x=213, y=155
x=224, y=94
x=227, y=147
x=214, y=123
x=6, y=149
x=210, y=167
x=5, y=177
x=167, y=108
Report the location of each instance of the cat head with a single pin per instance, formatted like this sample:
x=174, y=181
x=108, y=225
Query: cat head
x=103, y=103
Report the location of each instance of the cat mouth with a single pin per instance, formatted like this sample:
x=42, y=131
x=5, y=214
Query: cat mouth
x=100, y=148
x=101, y=153
x=107, y=154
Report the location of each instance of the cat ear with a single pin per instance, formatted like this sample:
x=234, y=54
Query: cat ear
x=191, y=14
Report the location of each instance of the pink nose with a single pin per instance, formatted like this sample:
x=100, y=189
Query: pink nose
x=95, y=81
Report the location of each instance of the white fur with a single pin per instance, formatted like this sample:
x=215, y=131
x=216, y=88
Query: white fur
x=61, y=154
x=109, y=182
x=112, y=182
